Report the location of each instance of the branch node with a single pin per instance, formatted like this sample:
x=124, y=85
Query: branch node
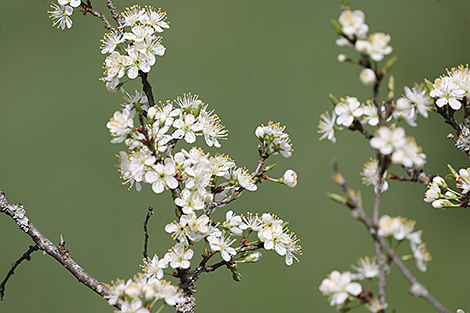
x=418, y=290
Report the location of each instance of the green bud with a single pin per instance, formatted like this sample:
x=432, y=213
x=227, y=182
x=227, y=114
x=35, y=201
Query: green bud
x=391, y=87
x=333, y=99
x=197, y=111
x=451, y=169
x=269, y=167
x=177, y=212
x=337, y=27
x=237, y=276
x=429, y=86
x=359, y=197
x=391, y=83
x=285, y=224
x=407, y=257
x=390, y=63
x=337, y=198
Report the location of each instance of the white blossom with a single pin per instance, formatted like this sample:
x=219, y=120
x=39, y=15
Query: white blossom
x=339, y=287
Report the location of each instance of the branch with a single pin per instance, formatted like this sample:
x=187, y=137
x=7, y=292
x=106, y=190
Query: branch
x=149, y=214
x=25, y=256
x=60, y=253
x=416, y=289
x=114, y=12
x=415, y=174
x=87, y=8
x=147, y=88
x=257, y=173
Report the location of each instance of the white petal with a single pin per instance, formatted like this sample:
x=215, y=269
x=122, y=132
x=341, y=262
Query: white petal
x=354, y=288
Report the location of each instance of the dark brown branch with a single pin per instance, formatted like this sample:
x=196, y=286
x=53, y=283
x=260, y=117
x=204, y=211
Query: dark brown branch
x=415, y=174
x=147, y=88
x=149, y=214
x=18, y=214
x=358, y=126
x=25, y=256
x=87, y=8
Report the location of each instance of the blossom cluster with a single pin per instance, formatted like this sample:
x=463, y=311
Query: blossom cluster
x=203, y=181
x=62, y=11
x=139, y=294
x=135, y=50
x=402, y=149
x=345, y=288
x=390, y=140
x=452, y=89
x=270, y=230
x=400, y=228
x=352, y=30
x=349, y=111
x=441, y=196
x=200, y=183
x=274, y=140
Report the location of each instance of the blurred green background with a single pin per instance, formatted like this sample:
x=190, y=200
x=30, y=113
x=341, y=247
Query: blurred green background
x=252, y=61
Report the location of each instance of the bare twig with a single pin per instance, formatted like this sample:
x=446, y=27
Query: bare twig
x=18, y=214
x=149, y=214
x=415, y=174
x=87, y=8
x=25, y=256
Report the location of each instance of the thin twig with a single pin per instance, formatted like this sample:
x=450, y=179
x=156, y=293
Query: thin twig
x=25, y=256
x=149, y=214
x=86, y=8
x=18, y=214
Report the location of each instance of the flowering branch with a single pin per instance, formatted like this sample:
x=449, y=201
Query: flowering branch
x=416, y=289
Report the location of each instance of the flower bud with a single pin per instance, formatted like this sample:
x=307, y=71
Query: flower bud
x=236, y=276
x=254, y=257
x=429, y=85
x=163, y=118
x=368, y=77
x=403, y=104
x=151, y=113
x=269, y=167
x=259, y=132
x=440, y=181
x=441, y=204
x=208, y=197
x=342, y=58
x=334, y=99
x=289, y=179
